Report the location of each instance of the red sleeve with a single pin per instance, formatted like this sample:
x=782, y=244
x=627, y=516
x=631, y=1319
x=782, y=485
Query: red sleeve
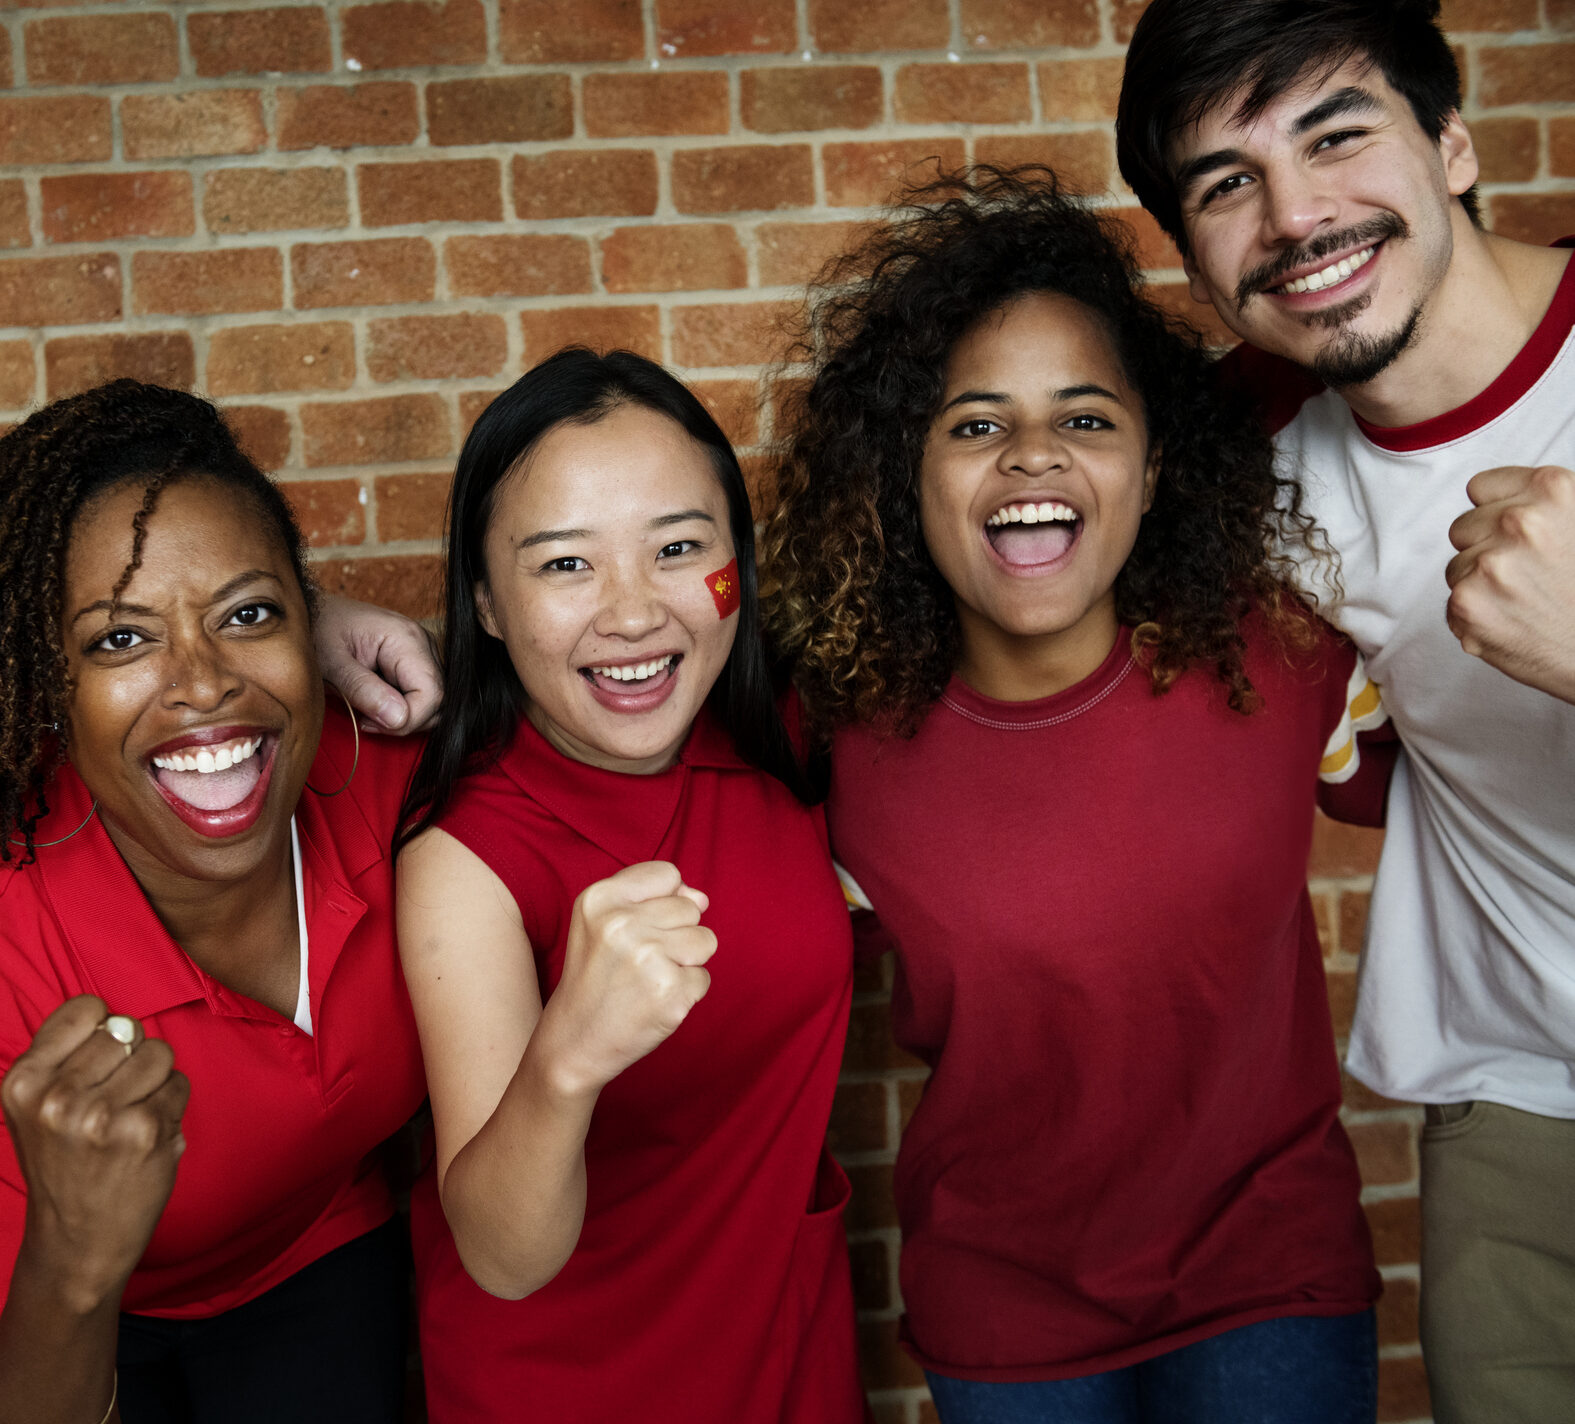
x=1276, y=387
x=1361, y=744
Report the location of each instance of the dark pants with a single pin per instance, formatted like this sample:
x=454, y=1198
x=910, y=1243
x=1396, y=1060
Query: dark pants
x=326, y=1346
x=1296, y=1369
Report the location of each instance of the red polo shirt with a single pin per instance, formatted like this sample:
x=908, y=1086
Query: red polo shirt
x=280, y=1123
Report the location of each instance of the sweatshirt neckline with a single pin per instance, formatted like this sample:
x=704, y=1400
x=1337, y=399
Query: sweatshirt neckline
x=1040, y=712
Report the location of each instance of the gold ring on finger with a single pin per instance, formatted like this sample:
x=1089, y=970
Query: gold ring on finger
x=122, y=1029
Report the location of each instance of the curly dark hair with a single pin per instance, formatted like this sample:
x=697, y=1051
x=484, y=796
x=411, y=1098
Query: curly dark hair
x=51, y=466
x=852, y=594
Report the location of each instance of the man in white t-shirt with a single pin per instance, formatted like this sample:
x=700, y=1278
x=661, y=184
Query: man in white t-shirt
x=1309, y=158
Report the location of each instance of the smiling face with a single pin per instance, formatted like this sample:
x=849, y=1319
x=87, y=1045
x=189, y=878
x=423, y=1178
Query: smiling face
x=197, y=706
x=1035, y=475
x=597, y=556
x=1322, y=228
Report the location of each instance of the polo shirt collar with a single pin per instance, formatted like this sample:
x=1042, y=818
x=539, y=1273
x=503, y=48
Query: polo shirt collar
x=624, y=814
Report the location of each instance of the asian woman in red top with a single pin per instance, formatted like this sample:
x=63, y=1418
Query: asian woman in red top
x=197, y=960
x=624, y=940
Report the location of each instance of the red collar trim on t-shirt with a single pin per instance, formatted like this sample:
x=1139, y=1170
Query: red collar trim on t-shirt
x=1532, y=360
x=1044, y=711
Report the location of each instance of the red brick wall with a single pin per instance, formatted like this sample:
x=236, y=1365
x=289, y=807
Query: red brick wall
x=353, y=223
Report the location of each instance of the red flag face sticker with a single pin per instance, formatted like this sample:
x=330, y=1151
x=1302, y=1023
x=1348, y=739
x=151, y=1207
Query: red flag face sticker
x=724, y=589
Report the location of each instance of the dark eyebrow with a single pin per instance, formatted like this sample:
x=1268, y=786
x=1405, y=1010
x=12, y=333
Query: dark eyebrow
x=551, y=536
x=105, y=605
x=1088, y=388
x=682, y=517
x=1352, y=99
x=1195, y=169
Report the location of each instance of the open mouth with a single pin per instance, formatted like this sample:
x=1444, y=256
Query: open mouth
x=216, y=787
x=1330, y=276
x=636, y=686
x=1031, y=534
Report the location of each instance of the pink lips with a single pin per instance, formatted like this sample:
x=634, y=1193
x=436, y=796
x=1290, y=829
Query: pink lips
x=218, y=821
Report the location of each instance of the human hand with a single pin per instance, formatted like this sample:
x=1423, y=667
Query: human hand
x=96, y=1126
x=1512, y=585
x=384, y=663
x=632, y=971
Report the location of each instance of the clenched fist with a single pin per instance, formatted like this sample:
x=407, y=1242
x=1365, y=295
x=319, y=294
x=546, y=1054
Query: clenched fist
x=633, y=968
x=96, y=1124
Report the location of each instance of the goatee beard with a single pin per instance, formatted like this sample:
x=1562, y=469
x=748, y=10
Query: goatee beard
x=1353, y=358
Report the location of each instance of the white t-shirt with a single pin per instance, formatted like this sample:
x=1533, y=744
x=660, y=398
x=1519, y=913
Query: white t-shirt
x=1467, y=986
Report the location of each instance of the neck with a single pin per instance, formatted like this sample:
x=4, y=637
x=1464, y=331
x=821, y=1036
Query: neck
x=1023, y=668
x=1473, y=325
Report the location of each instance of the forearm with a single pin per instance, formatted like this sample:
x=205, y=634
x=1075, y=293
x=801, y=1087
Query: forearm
x=514, y=1195
x=57, y=1348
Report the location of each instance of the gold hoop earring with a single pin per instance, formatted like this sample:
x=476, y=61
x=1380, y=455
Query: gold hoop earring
x=41, y=845
x=355, y=761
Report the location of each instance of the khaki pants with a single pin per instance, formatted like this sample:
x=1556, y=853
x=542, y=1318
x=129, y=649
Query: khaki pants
x=1498, y=1265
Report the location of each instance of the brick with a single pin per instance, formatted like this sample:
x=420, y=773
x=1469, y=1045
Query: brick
x=458, y=190
x=743, y=177
x=840, y=28
x=412, y=506
x=870, y=1263
x=962, y=94
x=1358, y=1097
x=734, y=405
x=328, y=511
x=791, y=254
x=274, y=199
x=382, y=113
x=1402, y=1389
x=102, y=49
x=864, y=175
x=870, y=975
x=1506, y=149
x=262, y=432
x=582, y=183
x=17, y=379
x=1385, y=1150
x=291, y=39
x=569, y=31
x=205, y=121
x=883, y=1363
x=57, y=291
x=858, y=1119
x=517, y=265
x=15, y=230
x=1561, y=14
x=1396, y=1224
x=633, y=328
x=409, y=34
x=368, y=432
x=870, y=1046
x=55, y=128
x=910, y=1091
x=471, y=404
x=619, y=105
x=1462, y=16
x=1526, y=74
x=1341, y=984
x=75, y=363
x=1176, y=299
x=1532, y=217
x=411, y=584
x=1339, y=849
x=227, y=279
x=731, y=334
x=1084, y=161
x=1397, y=1312
x=1155, y=250
x=1353, y=920
x=5, y=59
x=1082, y=89
x=1124, y=16
x=1325, y=920
x=1029, y=24
x=760, y=480
x=367, y=273
x=525, y=108
x=842, y=96
x=417, y=348
x=1561, y=146
x=690, y=27
x=872, y=1206
x=266, y=359
x=94, y=207
x=684, y=257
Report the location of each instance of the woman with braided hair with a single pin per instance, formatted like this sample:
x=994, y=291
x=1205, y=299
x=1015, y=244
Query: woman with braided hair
x=196, y=946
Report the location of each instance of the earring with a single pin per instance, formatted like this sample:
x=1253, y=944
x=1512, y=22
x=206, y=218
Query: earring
x=40, y=845
x=355, y=761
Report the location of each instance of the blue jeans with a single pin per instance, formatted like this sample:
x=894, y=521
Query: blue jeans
x=1296, y=1369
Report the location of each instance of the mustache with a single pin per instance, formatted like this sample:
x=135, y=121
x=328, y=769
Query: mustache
x=1378, y=228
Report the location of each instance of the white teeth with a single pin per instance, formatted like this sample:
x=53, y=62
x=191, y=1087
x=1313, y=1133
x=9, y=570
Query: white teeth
x=220, y=758
x=634, y=672
x=1334, y=272
x=1049, y=512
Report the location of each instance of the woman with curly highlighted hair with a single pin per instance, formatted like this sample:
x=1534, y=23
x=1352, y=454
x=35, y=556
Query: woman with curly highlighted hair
x=1030, y=566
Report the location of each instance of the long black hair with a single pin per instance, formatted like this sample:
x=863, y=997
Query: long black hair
x=483, y=698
